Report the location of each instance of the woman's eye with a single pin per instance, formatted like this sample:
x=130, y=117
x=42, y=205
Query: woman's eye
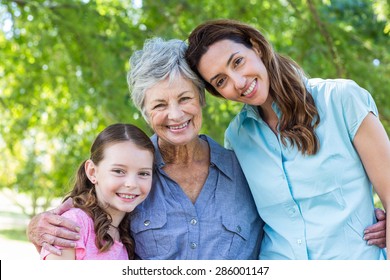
x=118, y=171
x=220, y=82
x=185, y=98
x=237, y=61
x=158, y=106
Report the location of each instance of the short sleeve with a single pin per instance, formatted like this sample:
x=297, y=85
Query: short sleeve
x=356, y=103
x=85, y=223
x=227, y=141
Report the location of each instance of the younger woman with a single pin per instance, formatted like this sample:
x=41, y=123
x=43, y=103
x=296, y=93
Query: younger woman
x=109, y=185
x=311, y=149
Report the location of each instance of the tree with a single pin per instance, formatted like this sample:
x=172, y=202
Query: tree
x=64, y=62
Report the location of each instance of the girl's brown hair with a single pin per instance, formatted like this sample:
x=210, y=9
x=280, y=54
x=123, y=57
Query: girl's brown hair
x=299, y=114
x=84, y=193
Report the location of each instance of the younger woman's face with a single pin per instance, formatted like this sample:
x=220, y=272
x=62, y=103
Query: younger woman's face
x=236, y=72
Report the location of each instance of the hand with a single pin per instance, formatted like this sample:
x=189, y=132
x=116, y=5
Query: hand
x=49, y=228
x=376, y=233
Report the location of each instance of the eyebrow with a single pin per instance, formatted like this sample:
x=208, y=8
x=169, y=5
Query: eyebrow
x=125, y=166
x=163, y=100
x=227, y=64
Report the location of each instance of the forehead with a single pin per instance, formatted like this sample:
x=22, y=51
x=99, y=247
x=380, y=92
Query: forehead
x=169, y=87
x=224, y=47
x=123, y=151
x=218, y=56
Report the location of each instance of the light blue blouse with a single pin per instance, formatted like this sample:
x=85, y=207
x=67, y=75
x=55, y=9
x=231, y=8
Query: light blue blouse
x=222, y=224
x=314, y=207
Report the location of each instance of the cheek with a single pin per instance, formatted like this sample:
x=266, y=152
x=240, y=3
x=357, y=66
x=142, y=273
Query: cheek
x=154, y=120
x=197, y=112
x=146, y=187
x=227, y=92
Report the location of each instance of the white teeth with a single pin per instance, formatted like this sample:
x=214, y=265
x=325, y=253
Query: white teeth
x=249, y=90
x=127, y=196
x=179, y=126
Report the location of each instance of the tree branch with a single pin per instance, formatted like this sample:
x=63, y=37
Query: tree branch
x=328, y=39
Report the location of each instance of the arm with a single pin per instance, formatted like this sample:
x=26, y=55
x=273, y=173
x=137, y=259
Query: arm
x=49, y=228
x=373, y=146
x=67, y=254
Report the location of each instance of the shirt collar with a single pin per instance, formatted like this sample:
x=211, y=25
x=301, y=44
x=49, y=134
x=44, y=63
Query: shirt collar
x=218, y=155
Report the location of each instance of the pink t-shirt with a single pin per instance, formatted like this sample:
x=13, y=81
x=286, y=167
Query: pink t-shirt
x=85, y=246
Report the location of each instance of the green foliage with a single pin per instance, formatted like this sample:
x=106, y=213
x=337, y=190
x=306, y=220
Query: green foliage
x=64, y=62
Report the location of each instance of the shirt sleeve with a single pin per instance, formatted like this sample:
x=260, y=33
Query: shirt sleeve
x=356, y=104
x=84, y=221
x=227, y=141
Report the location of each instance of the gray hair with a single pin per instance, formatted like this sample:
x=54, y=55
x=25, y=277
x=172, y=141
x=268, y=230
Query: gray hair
x=157, y=61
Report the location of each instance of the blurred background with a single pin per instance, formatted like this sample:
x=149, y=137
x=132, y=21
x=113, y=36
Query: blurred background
x=63, y=71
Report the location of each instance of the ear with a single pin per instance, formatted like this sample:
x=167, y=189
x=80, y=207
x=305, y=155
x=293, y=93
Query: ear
x=90, y=170
x=256, y=47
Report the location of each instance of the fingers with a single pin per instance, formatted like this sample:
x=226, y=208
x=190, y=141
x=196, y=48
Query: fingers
x=380, y=242
x=56, y=232
x=51, y=249
x=52, y=229
x=380, y=214
x=65, y=206
x=376, y=233
x=49, y=242
x=62, y=227
x=377, y=228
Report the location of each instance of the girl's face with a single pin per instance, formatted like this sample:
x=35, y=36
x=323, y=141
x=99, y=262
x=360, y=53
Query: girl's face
x=236, y=72
x=123, y=178
x=174, y=111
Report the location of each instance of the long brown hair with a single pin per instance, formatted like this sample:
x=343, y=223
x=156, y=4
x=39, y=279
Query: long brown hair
x=84, y=193
x=299, y=114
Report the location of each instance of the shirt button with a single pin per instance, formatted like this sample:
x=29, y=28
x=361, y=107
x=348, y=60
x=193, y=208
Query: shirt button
x=193, y=222
x=193, y=245
x=146, y=223
x=238, y=228
x=299, y=241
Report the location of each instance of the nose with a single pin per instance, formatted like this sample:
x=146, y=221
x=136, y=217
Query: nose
x=130, y=181
x=238, y=80
x=175, y=112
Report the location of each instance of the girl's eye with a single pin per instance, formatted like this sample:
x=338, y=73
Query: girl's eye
x=118, y=171
x=145, y=174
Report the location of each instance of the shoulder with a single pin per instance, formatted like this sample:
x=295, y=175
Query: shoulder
x=217, y=151
x=224, y=159
x=79, y=216
x=247, y=113
x=335, y=88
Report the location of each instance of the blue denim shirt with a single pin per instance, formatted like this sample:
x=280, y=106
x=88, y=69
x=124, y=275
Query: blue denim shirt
x=222, y=224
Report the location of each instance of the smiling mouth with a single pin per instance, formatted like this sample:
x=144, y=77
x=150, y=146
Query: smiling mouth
x=178, y=127
x=251, y=87
x=127, y=196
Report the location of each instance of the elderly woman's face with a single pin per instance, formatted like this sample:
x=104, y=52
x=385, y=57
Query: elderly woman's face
x=174, y=110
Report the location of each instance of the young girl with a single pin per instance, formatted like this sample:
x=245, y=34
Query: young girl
x=109, y=185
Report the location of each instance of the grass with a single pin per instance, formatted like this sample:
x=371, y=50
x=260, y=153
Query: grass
x=18, y=234
x=13, y=226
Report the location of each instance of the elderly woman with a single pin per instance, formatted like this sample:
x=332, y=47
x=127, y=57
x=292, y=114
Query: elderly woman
x=200, y=206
